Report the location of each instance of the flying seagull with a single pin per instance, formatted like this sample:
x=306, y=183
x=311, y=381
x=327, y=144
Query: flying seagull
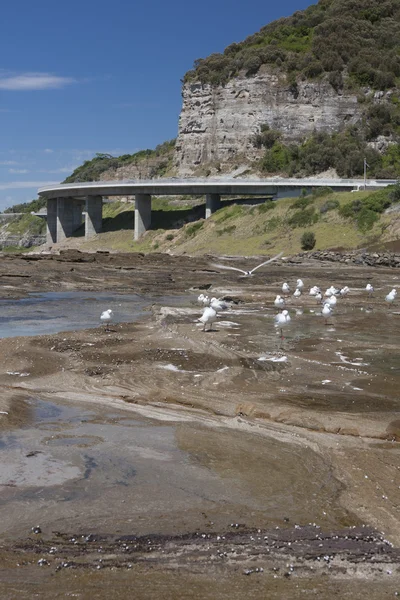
x=248, y=273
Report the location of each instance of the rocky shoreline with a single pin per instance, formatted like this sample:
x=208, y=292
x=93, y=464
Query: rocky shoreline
x=372, y=259
x=252, y=414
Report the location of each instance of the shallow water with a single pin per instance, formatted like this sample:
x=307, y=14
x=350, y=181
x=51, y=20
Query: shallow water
x=74, y=468
x=52, y=312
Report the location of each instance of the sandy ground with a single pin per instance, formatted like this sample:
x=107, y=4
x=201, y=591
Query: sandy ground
x=307, y=428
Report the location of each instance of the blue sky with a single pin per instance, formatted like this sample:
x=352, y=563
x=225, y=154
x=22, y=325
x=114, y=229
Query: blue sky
x=81, y=77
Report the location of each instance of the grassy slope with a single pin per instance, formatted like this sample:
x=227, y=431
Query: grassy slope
x=241, y=230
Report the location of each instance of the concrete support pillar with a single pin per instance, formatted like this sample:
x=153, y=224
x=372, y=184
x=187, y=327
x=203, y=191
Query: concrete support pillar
x=51, y=229
x=77, y=207
x=94, y=216
x=213, y=203
x=142, y=214
x=65, y=218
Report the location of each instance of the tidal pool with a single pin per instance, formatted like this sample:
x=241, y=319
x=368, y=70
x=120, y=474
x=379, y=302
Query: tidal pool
x=92, y=469
x=52, y=312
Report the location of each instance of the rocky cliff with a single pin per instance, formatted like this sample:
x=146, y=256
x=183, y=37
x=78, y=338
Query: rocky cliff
x=217, y=123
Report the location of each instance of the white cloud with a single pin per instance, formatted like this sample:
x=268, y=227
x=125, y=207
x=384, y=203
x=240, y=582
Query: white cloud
x=59, y=170
x=7, y=163
x=48, y=151
x=33, y=81
x=15, y=185
x=18, y=171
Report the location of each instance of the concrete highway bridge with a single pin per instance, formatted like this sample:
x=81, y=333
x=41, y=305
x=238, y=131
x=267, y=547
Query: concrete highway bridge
x=66, y=202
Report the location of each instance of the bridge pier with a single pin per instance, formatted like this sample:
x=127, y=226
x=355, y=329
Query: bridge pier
x=94, y=216
x=213, y=203
x=142, y=214
x=51, y=225
x=77, y=208
x=65, y=218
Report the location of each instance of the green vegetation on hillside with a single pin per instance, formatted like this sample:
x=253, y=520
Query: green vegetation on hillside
x=343, y=151
x=27, y=224
x=27, y=207
x=336, y=219
x=353, y=40
x=91, y=170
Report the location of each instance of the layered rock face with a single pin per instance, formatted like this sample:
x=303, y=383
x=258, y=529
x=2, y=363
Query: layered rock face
x=217, y=124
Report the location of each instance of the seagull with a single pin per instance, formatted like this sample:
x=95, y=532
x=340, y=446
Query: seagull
x=344, y=291
x=369, y=288
x=218, y=305
x=203, y=300
x=279, y=302
x=282, y=320
x=248, y=273
x=391, y=297
x=318, y=297
x=285, y=288
x=332, y=291
x=314, y=290
x=297, y=293
x=209, y=316
x=106, y=317
x=331, y=301
x=300, y=284
x=326, y=312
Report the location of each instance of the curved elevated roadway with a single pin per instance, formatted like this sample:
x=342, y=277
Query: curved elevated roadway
x=65, y=201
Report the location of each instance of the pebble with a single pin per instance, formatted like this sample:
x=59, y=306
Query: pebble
x=36, y=529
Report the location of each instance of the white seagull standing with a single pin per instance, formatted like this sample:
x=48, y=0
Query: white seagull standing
x=279, y=302
x=318, y=297
x=286, y=288
x=331, y=301
x=344, y=291
x=297, y=293
x=218, y=304
x=314, y=290
x=209, y=316
x=106, y=318
x=326, y=312
x=282, y=320
x=391, y=297
x=203, y=300
x=331, y=291
x=248, y=273
x=369, y=288
x=300, y=284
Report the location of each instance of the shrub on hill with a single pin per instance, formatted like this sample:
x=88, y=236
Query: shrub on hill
x=308, y=240
x=366, y=212
x=343, y=151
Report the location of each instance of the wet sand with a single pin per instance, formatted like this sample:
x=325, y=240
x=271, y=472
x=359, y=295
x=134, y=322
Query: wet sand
x=238, y=439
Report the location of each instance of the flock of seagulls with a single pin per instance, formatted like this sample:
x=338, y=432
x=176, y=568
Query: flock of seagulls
x=328, y=300
x=390, y=297
x=212, y=307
